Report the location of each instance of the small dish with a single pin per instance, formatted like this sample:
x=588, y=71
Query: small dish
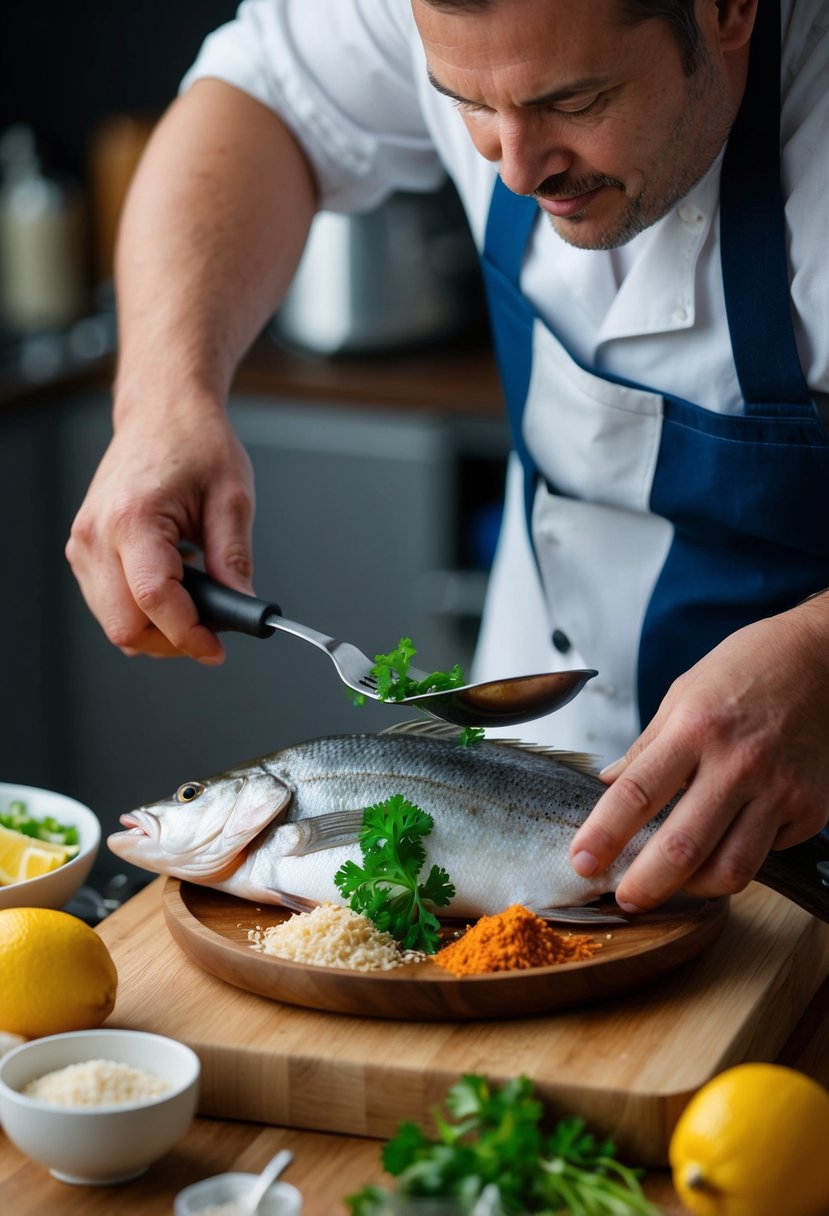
x=56, y=888
x=281, y=1199
x=98, y=1145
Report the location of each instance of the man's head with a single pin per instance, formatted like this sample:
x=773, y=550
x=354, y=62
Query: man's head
x=607, y=112
x=680, y=16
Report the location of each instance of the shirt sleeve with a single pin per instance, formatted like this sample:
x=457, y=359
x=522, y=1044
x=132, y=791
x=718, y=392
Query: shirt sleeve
x=342, y=75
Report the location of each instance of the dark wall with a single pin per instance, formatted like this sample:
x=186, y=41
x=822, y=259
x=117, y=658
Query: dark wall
x=66, y=65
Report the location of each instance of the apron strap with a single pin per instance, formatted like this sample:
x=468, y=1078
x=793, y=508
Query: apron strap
x=511, y=220
x=753, y=233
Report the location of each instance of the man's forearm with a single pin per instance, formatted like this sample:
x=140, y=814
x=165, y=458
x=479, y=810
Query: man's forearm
x=213, y=228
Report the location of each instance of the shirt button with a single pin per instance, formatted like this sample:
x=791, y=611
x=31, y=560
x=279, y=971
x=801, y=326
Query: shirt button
x=561, y=641
x=680, y=314
x=690, y=216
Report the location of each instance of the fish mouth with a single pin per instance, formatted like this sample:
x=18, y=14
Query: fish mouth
x=142, y=823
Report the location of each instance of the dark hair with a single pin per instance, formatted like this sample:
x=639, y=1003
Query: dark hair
x=681, y=17
x=679, y=14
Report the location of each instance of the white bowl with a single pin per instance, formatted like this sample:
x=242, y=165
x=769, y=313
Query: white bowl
x=281, y=1199
x=103, y=1144
x=55, y=889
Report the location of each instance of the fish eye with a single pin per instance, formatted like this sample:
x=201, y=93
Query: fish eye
x=189, y=791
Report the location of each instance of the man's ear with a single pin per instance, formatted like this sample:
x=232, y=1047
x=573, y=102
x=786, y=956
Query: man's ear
x=735, y=20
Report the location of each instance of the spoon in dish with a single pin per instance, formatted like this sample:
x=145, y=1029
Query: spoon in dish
x=250, y=1202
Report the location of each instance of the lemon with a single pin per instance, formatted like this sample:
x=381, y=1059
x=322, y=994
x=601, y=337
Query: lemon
x=753, y=1142
x=57, y=974
x=22, y=857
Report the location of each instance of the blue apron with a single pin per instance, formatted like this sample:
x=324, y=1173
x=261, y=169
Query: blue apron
x=745, y=493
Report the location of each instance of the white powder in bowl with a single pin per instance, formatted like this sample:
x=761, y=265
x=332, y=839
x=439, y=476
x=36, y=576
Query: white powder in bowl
x=331, y=936
x=96, y=1083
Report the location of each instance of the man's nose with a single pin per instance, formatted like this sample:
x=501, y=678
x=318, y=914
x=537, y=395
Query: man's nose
x=530, y=153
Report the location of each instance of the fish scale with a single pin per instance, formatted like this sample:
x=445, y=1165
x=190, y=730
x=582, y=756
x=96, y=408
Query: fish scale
x=278, y=828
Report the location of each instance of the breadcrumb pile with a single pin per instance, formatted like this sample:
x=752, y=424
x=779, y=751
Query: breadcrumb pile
x=97, y=1083
x=331, y=936
x=514, y=940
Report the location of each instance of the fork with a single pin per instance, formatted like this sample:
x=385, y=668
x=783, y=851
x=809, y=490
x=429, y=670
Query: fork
x=222, y=608
x=493, y=703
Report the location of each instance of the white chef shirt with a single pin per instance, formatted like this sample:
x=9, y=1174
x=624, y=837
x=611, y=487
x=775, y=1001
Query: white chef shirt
x=349, y=77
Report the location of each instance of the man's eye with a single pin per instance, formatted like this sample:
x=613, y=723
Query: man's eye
x=583, y=110
x=471, y=107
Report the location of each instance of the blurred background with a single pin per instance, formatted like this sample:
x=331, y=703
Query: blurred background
x=370, y=407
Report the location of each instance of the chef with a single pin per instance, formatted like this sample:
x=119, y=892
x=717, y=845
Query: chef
x=651, y=211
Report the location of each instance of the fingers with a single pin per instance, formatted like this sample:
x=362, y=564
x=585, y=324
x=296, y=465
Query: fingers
x=228, y=542
x=167, y=616
x=139, y=602
x=743, y=735
x=706, y=846
x=642, y=787
x=728, y=815
x=124, y=551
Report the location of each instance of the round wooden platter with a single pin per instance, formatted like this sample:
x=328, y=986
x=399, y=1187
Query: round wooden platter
x=212, y=929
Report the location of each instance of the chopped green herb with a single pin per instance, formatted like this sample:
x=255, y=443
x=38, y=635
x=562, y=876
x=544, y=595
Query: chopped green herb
x=496, y=1146
x=17, y=818
x=394, y=683
x=470, y=735
x=386, y=887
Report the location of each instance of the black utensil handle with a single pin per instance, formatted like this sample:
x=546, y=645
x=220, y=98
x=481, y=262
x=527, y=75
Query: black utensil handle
x=221, y=607
x=801, y=873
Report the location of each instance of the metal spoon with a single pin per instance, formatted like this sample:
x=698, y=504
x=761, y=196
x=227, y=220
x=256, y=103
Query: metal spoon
x=493, y=703
x=251, y=1200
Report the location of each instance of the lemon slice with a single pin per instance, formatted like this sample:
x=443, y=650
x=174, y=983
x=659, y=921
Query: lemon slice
x=22, y=857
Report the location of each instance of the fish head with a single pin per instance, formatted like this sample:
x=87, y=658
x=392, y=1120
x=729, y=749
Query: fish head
x=201, y=833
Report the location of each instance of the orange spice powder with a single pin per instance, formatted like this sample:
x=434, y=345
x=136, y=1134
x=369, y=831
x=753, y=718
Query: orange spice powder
x=513, y=940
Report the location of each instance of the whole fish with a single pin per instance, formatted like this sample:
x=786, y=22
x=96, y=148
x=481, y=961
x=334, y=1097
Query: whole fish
x=277, y=829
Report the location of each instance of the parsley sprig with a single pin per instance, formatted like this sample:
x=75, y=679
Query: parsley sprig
x=394, y=683
x=493, y=1145
x=392, y=673
x=386, y=888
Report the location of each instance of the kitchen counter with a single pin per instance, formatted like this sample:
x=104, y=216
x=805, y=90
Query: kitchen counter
x=460, y=378
x=327, y=1166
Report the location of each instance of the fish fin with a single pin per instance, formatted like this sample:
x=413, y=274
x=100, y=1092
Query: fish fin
x=326, y=832
x=582, y=762
x=581, y=916
x=255, y=808
x=423, y=726
x=295, y=903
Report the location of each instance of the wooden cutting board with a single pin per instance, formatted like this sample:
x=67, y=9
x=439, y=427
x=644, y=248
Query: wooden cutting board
x=628, y=1066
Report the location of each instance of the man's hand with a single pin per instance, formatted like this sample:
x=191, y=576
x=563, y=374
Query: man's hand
x=746, y=734
x=157, y=485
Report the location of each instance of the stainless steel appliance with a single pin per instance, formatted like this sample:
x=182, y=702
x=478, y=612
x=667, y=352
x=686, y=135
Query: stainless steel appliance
x=397, y=278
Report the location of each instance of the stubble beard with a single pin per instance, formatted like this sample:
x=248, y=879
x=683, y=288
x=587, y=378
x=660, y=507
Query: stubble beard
x=677, y=178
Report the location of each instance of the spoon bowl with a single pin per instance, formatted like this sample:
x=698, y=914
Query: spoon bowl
x=505, y=702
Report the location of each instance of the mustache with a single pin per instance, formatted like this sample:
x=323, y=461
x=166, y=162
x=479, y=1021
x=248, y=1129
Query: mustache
x=563, y=186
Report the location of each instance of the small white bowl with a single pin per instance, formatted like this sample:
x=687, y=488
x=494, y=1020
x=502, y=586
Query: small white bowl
x=281, y=1199
x=55, y=889
x=98, y=1145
